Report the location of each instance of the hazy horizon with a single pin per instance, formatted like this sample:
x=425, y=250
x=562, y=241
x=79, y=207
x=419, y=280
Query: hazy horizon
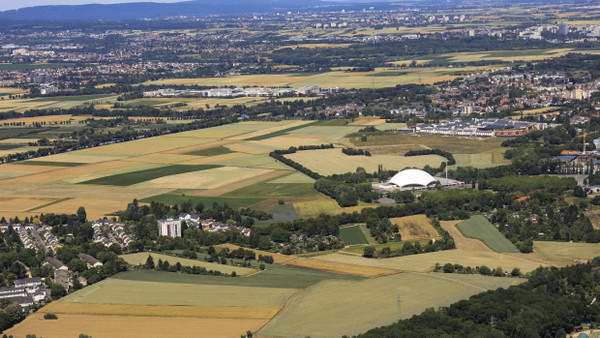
x=4, y=6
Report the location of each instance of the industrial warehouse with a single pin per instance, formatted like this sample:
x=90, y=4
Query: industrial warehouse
x=481, y=128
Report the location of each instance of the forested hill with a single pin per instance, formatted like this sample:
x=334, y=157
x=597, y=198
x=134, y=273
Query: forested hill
x=141, y=10
x=549, y=304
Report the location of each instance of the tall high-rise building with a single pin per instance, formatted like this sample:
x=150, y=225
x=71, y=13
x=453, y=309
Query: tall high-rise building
x=563, y=28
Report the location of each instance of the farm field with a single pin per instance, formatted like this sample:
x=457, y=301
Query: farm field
x=140, y=258
x=22, y=105
x=353, y=235
x=340, y=267
x=462, y=242
x=566, y=252
x=479, y=227
x=594, y=216
x=228, y=163
x=69, y=325
x=333, y=161
x=400, y=144
x=379, y=78
x=415, y=227
x=426, y=262
x=118, y=291
x=326, y=310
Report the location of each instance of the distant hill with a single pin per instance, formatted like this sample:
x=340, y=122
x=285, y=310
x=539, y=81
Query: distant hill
x=150, y=10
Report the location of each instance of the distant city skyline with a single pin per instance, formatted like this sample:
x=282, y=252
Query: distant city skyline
x=8, y=5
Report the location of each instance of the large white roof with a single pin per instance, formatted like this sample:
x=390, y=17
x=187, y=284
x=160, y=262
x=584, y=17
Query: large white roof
x=412, y=178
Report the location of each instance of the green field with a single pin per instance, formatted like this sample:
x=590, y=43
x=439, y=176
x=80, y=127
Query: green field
x=335, y=308
x=208, y=201
x=275, y=276
x=271, y=190
x=566, y=252
x=279, y=132
x=50, y=163
x=211, y=151
x=131, y=178
x=455, y=145
x=353, y=235
x=479, y=227
x=120, y=291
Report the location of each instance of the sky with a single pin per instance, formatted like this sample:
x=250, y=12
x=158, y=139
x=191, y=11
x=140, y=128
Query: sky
x=7, y=4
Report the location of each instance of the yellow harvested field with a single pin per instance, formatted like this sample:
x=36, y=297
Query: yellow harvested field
x=286, y=141
x=50, y=119
x=210, y=133
x=218, y=158
x=318, y=45
x=204, y=179
x=66, y=190
x=279, y=258
x=94, y=207
x=371, y=79
x=248, y=149
x=140, y=258
x=415, y=227
x=426, y=262
x=233, y=312
x=462, y=242
x=342, y=268
x=26, y=169
x=78, y=158
x=18, y=140
x=64, y=173
x=201, y=146
x=164, y=158
x=8, y=204
x=367, y=121
x=146, y=146
x=323, y=205
x=333, y=161
x=278, y=127
x=104, y=173
x=238, y=184
x=132, y=326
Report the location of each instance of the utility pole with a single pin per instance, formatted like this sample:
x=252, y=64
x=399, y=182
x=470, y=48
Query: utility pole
x=399, y=307
x=446, y=171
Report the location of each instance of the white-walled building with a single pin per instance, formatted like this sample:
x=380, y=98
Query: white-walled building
x=169, y=227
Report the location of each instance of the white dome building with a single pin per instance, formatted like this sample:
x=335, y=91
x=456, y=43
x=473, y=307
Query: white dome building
x=413, y=178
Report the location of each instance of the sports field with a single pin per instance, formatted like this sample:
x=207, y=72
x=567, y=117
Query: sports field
x=479, y=227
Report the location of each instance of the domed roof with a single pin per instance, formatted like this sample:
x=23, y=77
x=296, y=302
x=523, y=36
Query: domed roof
x=412, y=178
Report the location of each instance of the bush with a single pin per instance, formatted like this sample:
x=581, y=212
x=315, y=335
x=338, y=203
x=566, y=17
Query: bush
x=369, y=251
x=448, y=268
x=50, y=316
